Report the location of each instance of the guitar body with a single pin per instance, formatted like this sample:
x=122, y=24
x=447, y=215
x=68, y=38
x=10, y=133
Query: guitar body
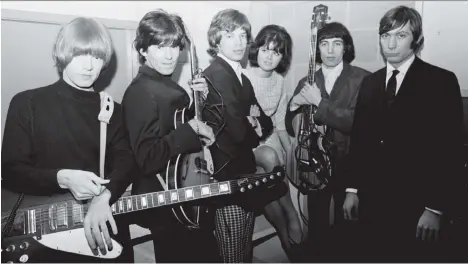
x=34, y=249
x=188, y=170
x=31, y=241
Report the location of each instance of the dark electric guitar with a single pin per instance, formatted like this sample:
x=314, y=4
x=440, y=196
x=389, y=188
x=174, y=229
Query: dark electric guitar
x=308, y=161
x=193, y=168
x=59, y=226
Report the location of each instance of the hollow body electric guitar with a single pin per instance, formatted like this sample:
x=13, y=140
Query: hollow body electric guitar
x=59, y=226
x=309, y=160
x=190, y=169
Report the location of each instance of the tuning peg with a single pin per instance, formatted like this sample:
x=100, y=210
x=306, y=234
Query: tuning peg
x=242, y=189
x=249, y=186
x=272, y=177
x=265, y=179
x=257, y=183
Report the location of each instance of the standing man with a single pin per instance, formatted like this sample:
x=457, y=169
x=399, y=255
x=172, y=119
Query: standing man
x=405, y=147
x=238, y=123
x=51, y=142
x=334, y=93
x=148, y=105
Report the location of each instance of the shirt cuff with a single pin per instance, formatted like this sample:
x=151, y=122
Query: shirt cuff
x=434, y=211
x=258, y=127
x=351, y=190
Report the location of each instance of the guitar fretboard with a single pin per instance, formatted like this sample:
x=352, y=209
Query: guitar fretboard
x=157, y=199
x=70, y=214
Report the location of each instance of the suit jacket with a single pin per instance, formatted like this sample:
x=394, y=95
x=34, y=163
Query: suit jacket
x=408, y=157
x=227, y=106
x=336, y=110
x=148, y=107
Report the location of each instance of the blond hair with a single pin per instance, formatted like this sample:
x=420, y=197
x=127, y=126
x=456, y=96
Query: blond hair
x=82, y=36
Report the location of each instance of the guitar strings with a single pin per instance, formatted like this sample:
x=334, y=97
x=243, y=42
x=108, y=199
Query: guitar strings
x=78, y=213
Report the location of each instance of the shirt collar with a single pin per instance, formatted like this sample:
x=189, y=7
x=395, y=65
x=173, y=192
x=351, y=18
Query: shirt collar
x=235, y=65
x=334, y=71
x=403, y=68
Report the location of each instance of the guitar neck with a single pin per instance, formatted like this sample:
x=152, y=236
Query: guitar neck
x=163, y=198
x=198, y=103
x=312, y=57
x=66, y=215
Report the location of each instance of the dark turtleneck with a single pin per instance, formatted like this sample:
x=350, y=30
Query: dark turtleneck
x=56, y=127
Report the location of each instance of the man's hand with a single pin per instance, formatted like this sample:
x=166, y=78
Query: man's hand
x=297, y=101
x=311, y=93
x=99, y=213
x=428, y=228
x=254, y=122
x=82, y=184
x=199, y=85
x=351, y=206
x=204, y=131
x=254, y=111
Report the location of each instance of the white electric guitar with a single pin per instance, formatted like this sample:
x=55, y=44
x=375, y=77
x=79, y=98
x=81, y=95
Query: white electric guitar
x=59, y=226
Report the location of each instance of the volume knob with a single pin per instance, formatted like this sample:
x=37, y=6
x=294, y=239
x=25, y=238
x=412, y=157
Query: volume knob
x=24, y=245
x=10, y=248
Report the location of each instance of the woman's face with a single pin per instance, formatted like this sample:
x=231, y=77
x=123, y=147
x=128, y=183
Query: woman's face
x=267, y=58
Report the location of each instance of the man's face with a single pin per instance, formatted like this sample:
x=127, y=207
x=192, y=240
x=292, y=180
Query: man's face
x=396, y=45
x=83, y=71
x=162, y=58
x=233, y=44
x=331, y=51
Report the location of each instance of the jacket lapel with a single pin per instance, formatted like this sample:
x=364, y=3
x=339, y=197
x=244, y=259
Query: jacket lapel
x=340, y=82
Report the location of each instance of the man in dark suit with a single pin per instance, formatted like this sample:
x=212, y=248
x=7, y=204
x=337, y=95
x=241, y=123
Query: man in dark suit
x=149, y=104
x=405, y=151
x=238, y=122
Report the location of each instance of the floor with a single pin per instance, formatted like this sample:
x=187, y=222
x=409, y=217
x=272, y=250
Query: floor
x=269, y=251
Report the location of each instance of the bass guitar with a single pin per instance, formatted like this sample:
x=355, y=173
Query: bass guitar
x=309, y=164
x=59, y=226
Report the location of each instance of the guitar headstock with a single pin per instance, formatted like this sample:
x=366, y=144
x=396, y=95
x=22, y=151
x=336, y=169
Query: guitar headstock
x=249, y=182
x=319, y=17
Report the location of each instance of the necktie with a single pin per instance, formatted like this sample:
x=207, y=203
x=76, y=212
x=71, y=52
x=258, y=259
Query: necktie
x=391, y=88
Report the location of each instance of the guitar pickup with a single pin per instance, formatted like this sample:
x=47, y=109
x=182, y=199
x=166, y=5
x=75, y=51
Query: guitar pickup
x=58, y=216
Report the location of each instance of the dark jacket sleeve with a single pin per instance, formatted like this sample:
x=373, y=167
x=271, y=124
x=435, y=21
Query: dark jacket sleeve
x=288, y=119
x=18, y=171
x=266, y=124
x=358, y=149
x=152, y=149
x=442, y=178
x=237, y=128
x=120, y=158
x=336, y=115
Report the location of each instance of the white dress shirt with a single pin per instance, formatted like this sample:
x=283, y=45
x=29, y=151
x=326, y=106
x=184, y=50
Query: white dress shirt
x=403, y=69
x=235, y=65
x=330, y=75
x=401, y=75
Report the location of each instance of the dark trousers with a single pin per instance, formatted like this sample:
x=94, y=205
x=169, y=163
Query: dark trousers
x=176, y=243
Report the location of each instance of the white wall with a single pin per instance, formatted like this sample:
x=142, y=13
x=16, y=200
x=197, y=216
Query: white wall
x=445, y=28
